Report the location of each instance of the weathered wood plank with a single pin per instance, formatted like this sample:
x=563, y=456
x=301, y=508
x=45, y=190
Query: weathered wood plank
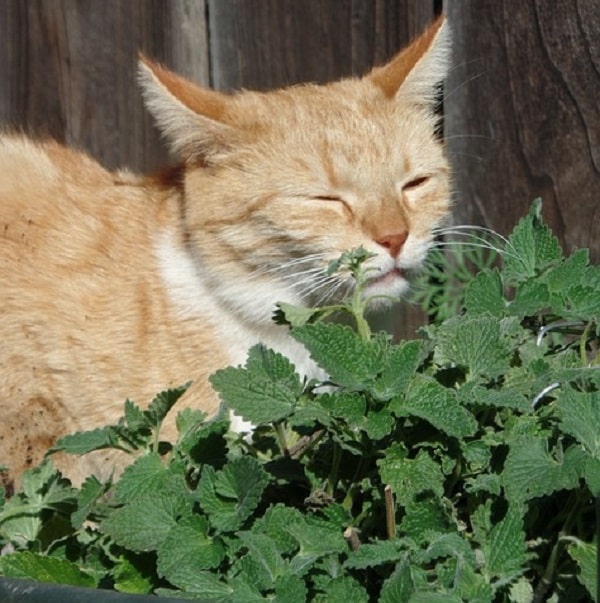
x=68, y=70
x=273, y=43
x=522, y=114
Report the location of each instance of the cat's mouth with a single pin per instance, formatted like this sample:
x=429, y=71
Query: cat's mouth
x=387, y=277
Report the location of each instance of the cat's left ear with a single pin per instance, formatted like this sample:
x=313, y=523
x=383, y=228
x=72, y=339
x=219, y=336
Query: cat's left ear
x=191, y=118
x=416, y=72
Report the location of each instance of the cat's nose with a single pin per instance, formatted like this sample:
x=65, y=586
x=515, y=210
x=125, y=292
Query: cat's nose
x=393, y=242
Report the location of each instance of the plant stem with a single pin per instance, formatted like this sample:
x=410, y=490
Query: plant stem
x=390, y=512
x=281, y=438
x=335, y=467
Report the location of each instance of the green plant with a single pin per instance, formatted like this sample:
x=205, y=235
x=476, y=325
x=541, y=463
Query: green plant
x=461, y=466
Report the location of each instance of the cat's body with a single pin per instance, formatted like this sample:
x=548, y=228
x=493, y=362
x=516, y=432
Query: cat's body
x=114, y=286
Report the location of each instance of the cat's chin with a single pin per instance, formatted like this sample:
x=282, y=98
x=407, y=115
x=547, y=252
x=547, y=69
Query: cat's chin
x=387, y=288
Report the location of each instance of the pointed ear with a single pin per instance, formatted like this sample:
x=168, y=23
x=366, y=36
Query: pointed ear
x=418, y=69
x=191, y=118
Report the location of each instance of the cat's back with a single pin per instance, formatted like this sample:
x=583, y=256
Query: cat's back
x=44, y=179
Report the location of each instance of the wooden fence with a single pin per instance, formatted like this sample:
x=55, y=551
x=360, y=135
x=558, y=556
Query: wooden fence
x=522, y=110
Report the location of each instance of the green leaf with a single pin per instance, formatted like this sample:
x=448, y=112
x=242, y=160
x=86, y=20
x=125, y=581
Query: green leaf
x=44, y=569
x=146, y=476
x=373, y=554
x=484, y=294
x=399, y=365
x=144, y=523
x=409, y=477
x=530, y=470
x=186, y=549
x=265, y=391
x=83, y=442
x=477, y=344
x=584, y=555
x=531, y=247
x=229, y=496
x=507, y=551
x=162, y=403
x=290, y=589
x=344, y=588
x=273, y=524
x=349, y=361
x=436, y=404
x=90, y=492
x=128, y=578
x=580, y=417
x=315, y=541
x=200, y=585
x=399, y=587
x=263, y=563
x=295, y=316
x=531, y=298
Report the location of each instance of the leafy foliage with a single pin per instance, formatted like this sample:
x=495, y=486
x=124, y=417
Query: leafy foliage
x=461, y=466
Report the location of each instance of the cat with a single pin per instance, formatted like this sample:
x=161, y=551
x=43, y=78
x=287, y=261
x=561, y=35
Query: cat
x=116, y=286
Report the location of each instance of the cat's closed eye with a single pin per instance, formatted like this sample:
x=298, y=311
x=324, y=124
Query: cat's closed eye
x=415, y=183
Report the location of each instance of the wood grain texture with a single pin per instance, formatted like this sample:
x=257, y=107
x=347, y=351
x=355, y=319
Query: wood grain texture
x=273, y=43
x=69, y=70
x=522, y=114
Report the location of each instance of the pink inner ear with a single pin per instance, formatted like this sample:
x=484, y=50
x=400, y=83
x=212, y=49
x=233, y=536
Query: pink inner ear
x=391, y=76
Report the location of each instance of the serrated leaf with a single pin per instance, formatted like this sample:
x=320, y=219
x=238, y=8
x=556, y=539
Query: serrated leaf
x=477, y=344
x=264, y=565
x=580, y=417
x=147, y=475
x=162, y=403
x=531, y=298
x=507, y=551
x=273, y=524
x=83, y=442
x=569, y=273
x=399, y=365
x=399, y=587
x=295, y=316
x=484, y=294
x=349, y=361
x=44, y=569
x=436, y=404
x=373, y=554
x=200, y=585
x=531, y=471
x=87, y=496
x=264, y=391
x=584, y=555
x=446, y=544
x=186, y=549
x=410, y=477
x=290, y=589
x=129, y=579
x=531, y=247
x=144, y=524
x=315, y=541
x=229, y=496
x=344, y=588
x=422, y=516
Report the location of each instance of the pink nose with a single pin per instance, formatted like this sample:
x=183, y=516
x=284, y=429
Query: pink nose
x=393, y=242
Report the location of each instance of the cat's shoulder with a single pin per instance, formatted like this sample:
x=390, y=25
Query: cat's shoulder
x=27, y=162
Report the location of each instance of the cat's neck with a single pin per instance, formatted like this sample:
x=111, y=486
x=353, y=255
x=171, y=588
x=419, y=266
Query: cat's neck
x=191, y=296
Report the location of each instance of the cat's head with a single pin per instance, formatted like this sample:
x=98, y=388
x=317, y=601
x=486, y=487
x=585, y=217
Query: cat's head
x=278, y=184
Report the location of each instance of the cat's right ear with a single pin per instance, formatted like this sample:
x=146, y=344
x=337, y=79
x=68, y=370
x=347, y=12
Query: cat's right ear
x=191, y=118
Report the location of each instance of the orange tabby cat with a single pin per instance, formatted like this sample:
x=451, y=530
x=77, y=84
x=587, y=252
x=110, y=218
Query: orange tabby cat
x=115, y=286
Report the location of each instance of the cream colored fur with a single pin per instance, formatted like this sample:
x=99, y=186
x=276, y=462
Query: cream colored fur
x=114, y=286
